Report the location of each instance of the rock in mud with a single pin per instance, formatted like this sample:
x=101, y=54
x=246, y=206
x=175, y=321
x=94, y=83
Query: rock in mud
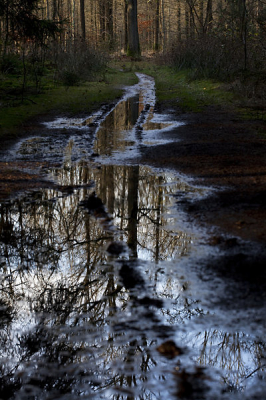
x=131, y=277
x=93, y=203
x=169, y=349
x=149, y=301
x=116, y=248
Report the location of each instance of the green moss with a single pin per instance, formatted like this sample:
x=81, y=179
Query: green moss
x=172, y=86
x=190, y=95
x=254, y=113
x=178, y=89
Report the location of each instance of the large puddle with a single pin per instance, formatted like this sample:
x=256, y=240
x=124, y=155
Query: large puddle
x=103, y=289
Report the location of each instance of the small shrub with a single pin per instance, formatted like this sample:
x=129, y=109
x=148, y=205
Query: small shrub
x=208, y=57
x=223, y=58
x=78, y=63
x=11, y=64
x=69, y=78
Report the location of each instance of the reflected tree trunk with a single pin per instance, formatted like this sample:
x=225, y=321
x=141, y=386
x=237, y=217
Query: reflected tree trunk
x=133, y=184
x=158, y=219
x=103, y=191
x=88, y=240
x=111, y=188
x=123, y=195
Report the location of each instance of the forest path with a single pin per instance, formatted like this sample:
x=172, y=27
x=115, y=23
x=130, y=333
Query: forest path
x=109, y=286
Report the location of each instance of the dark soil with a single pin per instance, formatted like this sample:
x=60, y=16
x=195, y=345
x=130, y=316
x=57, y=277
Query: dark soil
x=221, y=150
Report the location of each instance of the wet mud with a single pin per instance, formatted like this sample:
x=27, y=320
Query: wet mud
x=129, y=265
x=217, y=148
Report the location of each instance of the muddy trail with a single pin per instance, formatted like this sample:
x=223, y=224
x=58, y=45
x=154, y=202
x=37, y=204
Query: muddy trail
x=112, y=284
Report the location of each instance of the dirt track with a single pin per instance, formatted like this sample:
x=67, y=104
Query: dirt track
x=217, y=149
x=221, y=150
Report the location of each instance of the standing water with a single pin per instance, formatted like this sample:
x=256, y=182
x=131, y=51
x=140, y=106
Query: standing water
x=105, y=293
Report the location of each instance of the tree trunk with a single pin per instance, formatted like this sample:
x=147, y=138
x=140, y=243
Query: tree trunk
x=157, y=25
x=133, y=48
x=201, y=19
x=126, y=28
x=163, y=25
x=179, y=31
x=7, y=29
x=209, y=16
x=187, y=20
x=74, y=19
x=82, y=20
x=243, y=11
x=47, y=10
x=109, y=22
x=55, y=11
x=102, y=20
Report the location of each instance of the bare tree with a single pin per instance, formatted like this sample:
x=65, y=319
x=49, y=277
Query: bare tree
x=133, y=47
x=82, y=19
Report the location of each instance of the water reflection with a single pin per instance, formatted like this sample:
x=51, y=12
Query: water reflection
x=61, y=292
x=118, y=130
x=111, y=134
x=73, y=323
x=133, y=123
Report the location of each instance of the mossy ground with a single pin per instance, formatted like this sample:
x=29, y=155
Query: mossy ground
x=173, y=87
x=59, y=99
x=178, y=89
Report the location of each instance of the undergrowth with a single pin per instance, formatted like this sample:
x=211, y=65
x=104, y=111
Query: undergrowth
x=183, y=89
x=57, y=98
x=179, y=88
x=224, y=60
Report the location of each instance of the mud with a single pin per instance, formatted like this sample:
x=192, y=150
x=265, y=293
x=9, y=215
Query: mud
x=217, y=148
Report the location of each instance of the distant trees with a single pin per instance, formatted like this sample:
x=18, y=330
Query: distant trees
x=131, y=25
x=222, y=37
x=214, y=37
x=20, y=21
x=24, y=35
